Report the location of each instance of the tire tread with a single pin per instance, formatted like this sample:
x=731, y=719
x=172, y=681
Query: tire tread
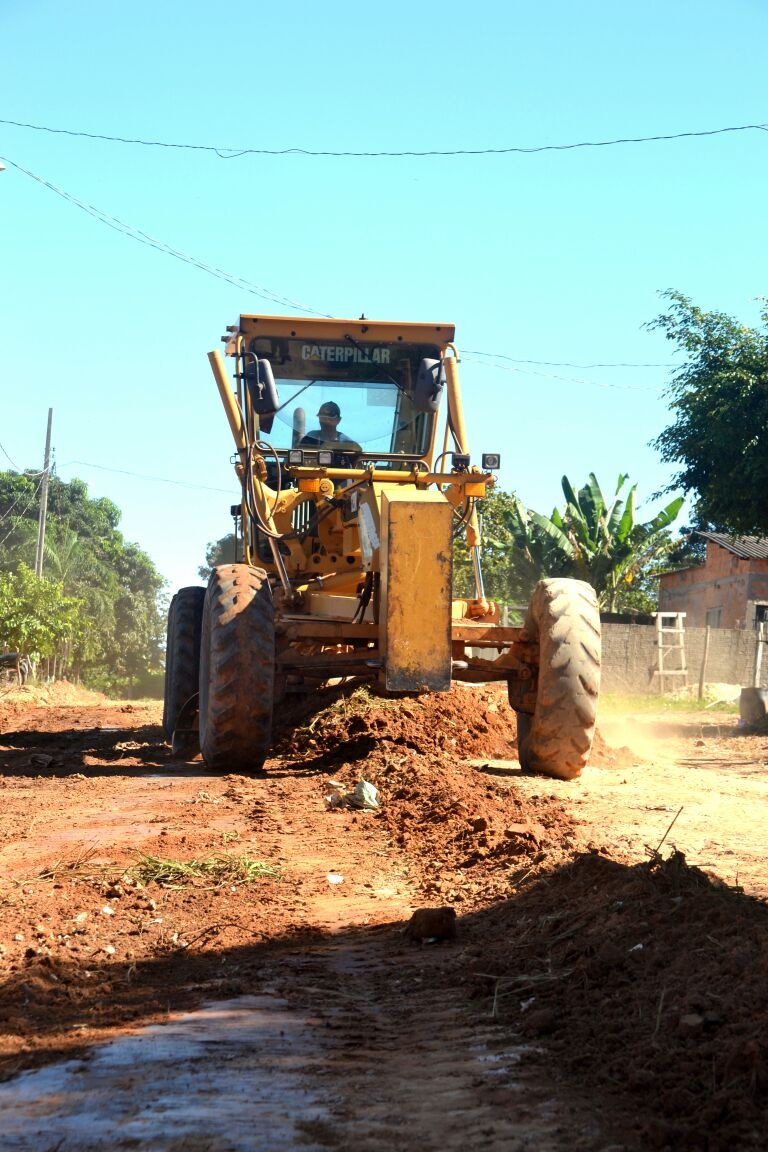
x=237, y=669
x=564, y=617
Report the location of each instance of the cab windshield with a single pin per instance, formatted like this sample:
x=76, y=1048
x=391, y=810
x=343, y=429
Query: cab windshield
x=347, y=393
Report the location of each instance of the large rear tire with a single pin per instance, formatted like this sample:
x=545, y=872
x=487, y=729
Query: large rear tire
x=182, y=654
x=556, y=741
x=237, y=669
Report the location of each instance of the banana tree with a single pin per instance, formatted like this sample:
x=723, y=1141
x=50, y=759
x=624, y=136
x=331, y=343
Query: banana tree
x=608, y=546
x=591, y=539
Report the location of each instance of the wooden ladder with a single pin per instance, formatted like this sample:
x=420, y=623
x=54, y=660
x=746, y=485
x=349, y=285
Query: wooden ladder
x=670, y=648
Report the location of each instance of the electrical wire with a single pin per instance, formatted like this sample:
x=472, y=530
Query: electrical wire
x=463, y=517
x=577, y=380
x=8, y=458
x=230, y=153
x=8, y=511
x=266, y=294
x=15, y=466
x=143, y=476
x=134, y=233
x=564, y=363
x=15, y=524
x=364, y=598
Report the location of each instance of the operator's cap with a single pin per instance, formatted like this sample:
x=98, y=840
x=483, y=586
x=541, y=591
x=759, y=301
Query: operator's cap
x=329, y=409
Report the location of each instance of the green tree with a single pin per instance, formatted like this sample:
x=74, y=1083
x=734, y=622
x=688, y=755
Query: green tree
x=139, y=617
x=115, y=583
x=19, y=502
x=225, y=550
x=516, y=553
x=590, y=539
x=719, y=398
x=36, y=616
x=610, y=549
x=83, y=574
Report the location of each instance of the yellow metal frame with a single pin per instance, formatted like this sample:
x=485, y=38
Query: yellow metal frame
x=251, y=326
x=412, y=631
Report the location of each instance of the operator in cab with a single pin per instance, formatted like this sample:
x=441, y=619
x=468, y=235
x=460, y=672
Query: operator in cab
x=329, y=417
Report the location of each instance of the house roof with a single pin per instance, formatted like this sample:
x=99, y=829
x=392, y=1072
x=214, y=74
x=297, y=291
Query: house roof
x=747, y=547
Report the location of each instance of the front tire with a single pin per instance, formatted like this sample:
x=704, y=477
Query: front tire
x=182, y=654
x=556, y=741
x=237, y=669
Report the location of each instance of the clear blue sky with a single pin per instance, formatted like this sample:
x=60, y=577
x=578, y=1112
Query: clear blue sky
x=555, y=256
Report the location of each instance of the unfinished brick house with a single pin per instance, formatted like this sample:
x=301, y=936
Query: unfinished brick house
x=730, y=590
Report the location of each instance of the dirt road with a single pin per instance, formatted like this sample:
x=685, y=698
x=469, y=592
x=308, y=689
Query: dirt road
x=218, y=962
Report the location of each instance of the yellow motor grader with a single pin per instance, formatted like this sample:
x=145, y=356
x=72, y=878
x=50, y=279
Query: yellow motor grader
x=353, y=492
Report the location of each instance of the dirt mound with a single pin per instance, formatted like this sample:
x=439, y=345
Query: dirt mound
x=476, y=835
x=647, y=978
x=18, y=706
x=465, y=821
x=468, y=723
x=58, y=692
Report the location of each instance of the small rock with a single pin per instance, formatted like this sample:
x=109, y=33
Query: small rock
x=541, y=1021
x=691, y=1022
x=41, y=760
x=432, y=924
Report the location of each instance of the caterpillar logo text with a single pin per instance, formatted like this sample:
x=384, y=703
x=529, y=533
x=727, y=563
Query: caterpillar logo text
x=344, y=354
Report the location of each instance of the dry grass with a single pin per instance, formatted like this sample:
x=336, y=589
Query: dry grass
x=221, y=868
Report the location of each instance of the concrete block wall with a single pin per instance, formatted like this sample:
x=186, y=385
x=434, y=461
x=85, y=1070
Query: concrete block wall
x=630, y=656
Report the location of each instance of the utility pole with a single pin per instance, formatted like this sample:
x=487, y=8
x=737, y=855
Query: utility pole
x=43, y=500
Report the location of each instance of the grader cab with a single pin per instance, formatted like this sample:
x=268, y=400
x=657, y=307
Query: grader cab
x=356, y=478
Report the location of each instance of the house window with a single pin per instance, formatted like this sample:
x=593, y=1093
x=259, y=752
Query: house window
x=713, y=617
x=761, y=614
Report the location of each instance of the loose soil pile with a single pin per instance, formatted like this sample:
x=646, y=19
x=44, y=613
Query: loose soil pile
x=644, y=983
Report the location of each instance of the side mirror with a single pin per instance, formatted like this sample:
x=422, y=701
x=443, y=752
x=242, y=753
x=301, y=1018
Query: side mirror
x=430, y=382
x=263, y=392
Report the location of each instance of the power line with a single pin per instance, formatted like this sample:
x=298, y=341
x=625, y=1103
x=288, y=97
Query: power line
x=134, y=233
x=569, y=379
x=19, y=515
x=9, y=510
x=8, y=458
x=143, y=476
x=230, y=153
x=564, y=363
x=14, y=465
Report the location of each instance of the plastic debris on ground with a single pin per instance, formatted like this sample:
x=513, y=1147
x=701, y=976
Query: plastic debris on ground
x=364, y=797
